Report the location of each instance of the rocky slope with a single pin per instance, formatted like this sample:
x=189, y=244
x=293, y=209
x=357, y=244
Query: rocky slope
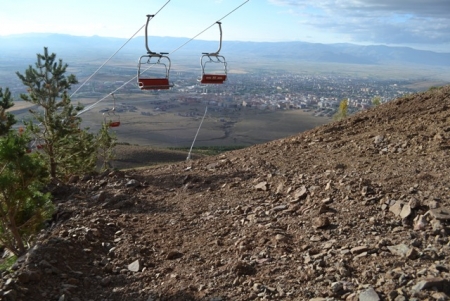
x=353, y=210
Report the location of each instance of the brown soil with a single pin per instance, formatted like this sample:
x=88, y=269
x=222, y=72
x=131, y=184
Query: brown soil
x=138, y=156
x=353, y=210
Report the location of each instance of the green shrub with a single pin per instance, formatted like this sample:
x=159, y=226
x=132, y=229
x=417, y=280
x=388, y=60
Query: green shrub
x=23, y=205
x=6, y=263
x=376, y=101
x=66, y=147
x=342, y=111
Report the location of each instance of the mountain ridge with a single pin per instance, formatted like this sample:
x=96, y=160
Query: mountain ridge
x=17, y=45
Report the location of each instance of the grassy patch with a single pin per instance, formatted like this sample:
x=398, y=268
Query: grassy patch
x=6, y=263
x=209, y=150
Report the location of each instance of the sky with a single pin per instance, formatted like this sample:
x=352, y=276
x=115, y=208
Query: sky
x=421, y=24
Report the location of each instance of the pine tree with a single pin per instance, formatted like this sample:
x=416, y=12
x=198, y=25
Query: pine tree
x=67, y=148
x=376, y=101
x=342, y=111
x=7, y=120
x=23, y=206
x=106, y=142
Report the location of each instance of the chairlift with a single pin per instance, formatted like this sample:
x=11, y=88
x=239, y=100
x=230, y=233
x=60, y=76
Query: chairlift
x=33, y=146
x=158, y=61
x=111, y=118
x=40, y=144
x=210, y=76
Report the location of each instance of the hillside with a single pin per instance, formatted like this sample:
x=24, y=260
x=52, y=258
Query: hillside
x=352, y=210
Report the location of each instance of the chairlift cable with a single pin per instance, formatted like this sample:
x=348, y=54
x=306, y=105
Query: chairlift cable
x=211, y=25
x=206, y=108
x=133, y=78
x=162, y=7
x=96, y=71
x=100, y=100
x=163, y=83
x=196, y=134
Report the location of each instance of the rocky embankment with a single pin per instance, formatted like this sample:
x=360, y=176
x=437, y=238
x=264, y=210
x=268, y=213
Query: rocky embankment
x=354, y=210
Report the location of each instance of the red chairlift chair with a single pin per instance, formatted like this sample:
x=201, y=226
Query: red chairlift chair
x=111, y=118
x=218, y=76
x=156, y=60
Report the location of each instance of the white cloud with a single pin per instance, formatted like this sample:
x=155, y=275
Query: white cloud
x=377, y=21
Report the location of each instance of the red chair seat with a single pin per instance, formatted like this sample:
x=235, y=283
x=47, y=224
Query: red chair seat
x=154, y=83
x=114, y=124
x=213, y=78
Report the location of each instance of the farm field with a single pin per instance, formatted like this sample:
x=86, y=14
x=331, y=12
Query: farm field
x=152, y=125
x=177, y=124
x=158, y=128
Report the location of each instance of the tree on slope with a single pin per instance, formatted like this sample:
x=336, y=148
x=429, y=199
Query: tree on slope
x=67, y=148
x=376, y=101
x=7, y=120
x=23, y=206
x=106, y=142
x=342, y=111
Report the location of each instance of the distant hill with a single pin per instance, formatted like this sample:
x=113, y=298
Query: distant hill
x=26, y=45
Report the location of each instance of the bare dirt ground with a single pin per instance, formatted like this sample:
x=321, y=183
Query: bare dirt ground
x=353, y=210
x=138, y=156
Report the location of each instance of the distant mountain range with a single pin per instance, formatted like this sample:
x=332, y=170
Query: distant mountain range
x=66, y=46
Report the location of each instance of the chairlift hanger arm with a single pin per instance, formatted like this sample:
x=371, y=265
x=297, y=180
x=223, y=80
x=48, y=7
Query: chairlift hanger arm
x=149, y=17
x=151, y=53
x=220, y=42
x=114, y=102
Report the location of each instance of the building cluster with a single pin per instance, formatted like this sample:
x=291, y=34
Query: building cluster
x=320, y=94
